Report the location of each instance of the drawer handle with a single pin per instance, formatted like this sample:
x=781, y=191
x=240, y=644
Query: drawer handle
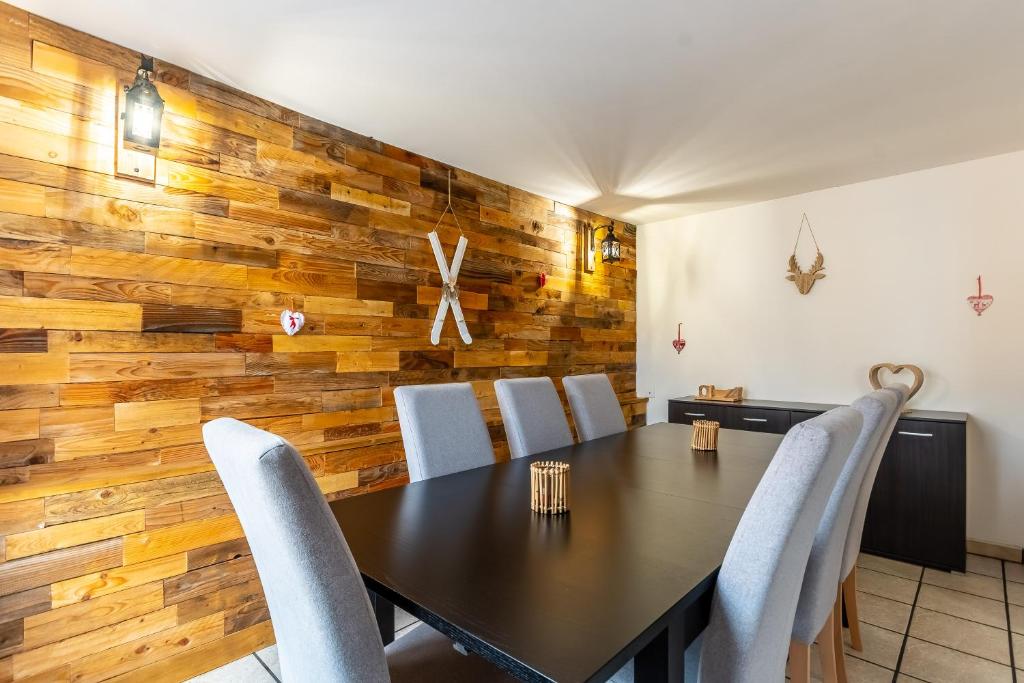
x=694, y=414
x=916, y=434
x=755, y=419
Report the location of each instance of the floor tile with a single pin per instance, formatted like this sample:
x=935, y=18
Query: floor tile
x=881, y=646
x=244, y=670
x=269, y=657
x=938, y=664
x=887, y=566
x=964, y=605
x=1016, y=618
x=959, y=634
x=403, y=618
x=1018, y=651
x=976, y=584
x=989, y=566
x=883, y=612
x=886, y=585
x=857, y=670
x=1014, y=571
x=1015, y=593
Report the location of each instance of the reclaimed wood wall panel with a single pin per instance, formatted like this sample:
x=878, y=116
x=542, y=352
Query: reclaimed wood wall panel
x=131, y=313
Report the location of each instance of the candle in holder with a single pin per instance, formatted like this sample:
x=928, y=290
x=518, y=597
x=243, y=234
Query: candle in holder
x=705, y=435
x=549, y=487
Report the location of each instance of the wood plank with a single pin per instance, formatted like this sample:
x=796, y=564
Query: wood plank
x=123, y=214
x=348, y=417
x=25, y=604
x=21, y=516
x=209, y=579
x=39, y=258
x=184, y=177
x=192, y=319
x=73, y=534
x=19, y=425
x=91, y=586
x=367, y=361
x=11, y=283
x=203, y=658
x=22, y=198
x=336, y=306
x=67, y=314
x=15, y=46
x=129, y=441
x=34, y=368
x=149, y=414
x=37, y=396
x=71, y=620
x=23, y=341
x=53, y=148
x=100, y=367
x=104, y=263
x=40, y=570
x=91, y=341
x=371, y=200
x=267, y=405
x=351, y=399
x=53, y=61
x=283, y=343
x=180, y=538
x=378, y=163
x=204, y=250
x=73, y=421
x=151, y=648
x=44, y=658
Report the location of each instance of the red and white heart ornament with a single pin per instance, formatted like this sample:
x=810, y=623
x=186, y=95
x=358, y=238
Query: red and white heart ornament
x=292, y=321
x=980, y=302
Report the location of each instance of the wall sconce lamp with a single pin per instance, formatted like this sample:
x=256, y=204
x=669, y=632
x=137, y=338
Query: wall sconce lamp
x=144, y=109
x=611, y=246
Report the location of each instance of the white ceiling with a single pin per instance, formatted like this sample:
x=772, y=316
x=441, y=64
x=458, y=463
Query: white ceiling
x=644, y=110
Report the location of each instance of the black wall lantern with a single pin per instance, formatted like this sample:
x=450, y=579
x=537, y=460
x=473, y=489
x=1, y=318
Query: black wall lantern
x=611, y=251
x=144, y=109
x=611, y=247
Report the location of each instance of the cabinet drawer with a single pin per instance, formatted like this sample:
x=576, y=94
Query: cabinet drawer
x=758, y=420
x=798, y=416
x=686, y=413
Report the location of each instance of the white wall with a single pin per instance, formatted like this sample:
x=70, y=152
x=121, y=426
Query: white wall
x=901, y=256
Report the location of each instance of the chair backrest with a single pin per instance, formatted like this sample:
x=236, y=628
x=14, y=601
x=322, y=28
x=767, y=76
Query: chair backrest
x=758, y=585
x=595, y=408
x=320, y=611
x=533, y=415
x=860, y=508
x=443, y=429
x=821, y=578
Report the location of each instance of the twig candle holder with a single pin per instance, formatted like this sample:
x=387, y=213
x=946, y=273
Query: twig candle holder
x=705, y=435
x=549, y=487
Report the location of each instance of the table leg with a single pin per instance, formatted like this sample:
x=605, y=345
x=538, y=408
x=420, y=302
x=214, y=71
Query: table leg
x=384, y=612
x=662, y=658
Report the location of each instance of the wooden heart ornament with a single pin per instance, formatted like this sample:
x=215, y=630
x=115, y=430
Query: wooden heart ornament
x=292, y=321
x=897, y=369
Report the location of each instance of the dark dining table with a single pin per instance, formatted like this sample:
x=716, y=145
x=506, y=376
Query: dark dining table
x=627, y=574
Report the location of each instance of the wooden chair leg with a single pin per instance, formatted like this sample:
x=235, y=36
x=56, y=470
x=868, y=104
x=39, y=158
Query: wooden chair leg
x=850, y=599
x=827, y=649
x=837, y=631
x=799, y=662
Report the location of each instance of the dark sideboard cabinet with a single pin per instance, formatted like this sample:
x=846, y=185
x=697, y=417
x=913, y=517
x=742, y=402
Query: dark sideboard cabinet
x=918, y=508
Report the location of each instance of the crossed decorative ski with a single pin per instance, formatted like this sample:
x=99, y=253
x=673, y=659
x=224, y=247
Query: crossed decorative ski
x=449, y=277
x=449, y=289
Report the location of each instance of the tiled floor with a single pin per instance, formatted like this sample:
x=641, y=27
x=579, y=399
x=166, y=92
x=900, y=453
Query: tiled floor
x=960, y=627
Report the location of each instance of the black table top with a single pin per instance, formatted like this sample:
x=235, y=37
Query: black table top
x=764, y=404
x=568, y=598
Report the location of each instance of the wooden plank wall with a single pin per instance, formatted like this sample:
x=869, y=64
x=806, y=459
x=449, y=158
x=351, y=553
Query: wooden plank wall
x=132, y=313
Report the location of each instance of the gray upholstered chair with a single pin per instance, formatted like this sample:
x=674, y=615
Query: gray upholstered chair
x=595, y=408
x=758, y=585
x=323, y=622
x=860, y=511
x=819, y=611
x=443, y=429
x=533, y=415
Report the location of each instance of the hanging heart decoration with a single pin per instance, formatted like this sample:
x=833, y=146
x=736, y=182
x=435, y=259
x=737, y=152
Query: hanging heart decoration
x=292, y=321
x=679, y=343
x=980, y=302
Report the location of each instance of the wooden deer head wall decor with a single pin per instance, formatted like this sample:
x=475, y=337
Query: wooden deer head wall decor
x=804, y=280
